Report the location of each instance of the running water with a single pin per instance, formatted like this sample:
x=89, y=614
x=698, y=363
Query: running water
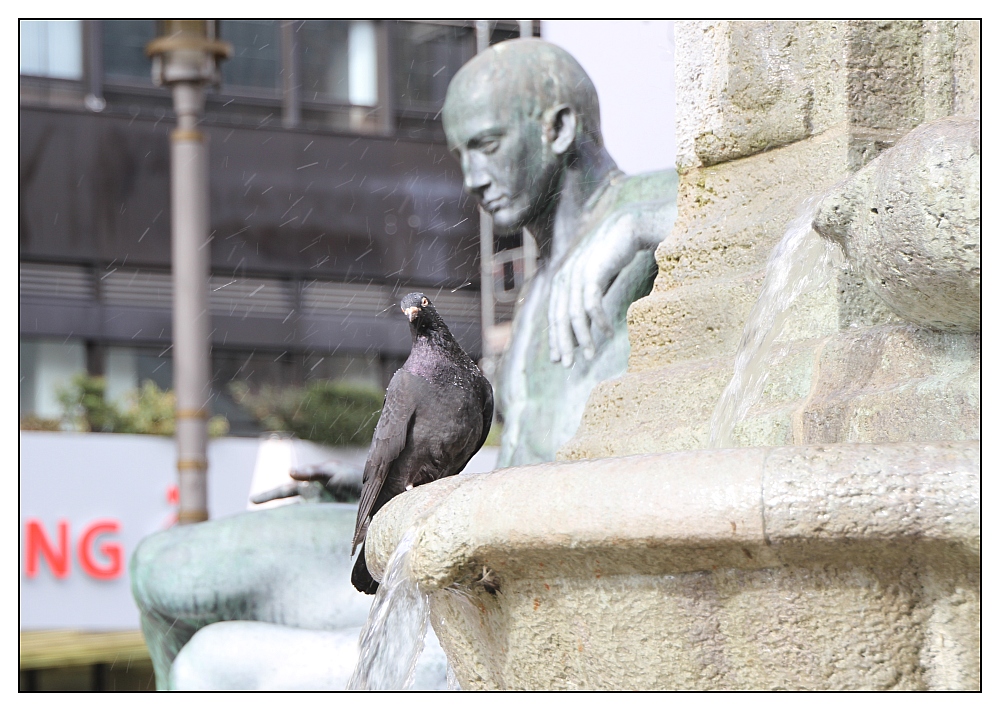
x=393, y=636
x=802, y=262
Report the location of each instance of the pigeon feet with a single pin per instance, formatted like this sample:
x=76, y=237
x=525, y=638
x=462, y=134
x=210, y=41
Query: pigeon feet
x=489, y=580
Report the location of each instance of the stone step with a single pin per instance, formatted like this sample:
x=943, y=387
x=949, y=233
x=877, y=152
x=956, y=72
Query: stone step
x=731, y=215
x=670, y=408
x=890, y=383
x=662, y=410
x=707, y=319
x=895, y=383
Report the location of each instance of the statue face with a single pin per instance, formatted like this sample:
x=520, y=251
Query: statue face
x=508, y=165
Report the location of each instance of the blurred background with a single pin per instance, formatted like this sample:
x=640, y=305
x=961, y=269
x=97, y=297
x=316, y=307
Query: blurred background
x=332, y=194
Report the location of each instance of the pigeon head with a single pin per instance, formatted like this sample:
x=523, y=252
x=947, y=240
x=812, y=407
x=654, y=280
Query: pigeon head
x=421, y=313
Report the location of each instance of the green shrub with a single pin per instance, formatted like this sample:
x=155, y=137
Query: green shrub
x=326, y=411
x=85, y=407
x=40, y=424
x=146, y=410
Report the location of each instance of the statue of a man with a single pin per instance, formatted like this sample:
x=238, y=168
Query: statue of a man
x=523, y=120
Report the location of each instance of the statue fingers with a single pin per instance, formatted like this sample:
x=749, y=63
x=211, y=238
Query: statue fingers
x=282, y=492
x=593, y=299
x=578, y=314
x=311, y=474
x=554, y=355
x=563, y=326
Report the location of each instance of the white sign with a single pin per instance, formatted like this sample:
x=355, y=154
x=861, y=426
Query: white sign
x=86, y=500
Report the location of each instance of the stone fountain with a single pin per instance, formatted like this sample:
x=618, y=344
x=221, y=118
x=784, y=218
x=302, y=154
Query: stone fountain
x=835, y=544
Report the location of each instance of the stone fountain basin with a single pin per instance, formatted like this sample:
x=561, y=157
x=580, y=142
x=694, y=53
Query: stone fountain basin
x=852, y=566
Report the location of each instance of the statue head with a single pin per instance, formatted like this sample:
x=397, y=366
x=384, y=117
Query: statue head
x=516, y=116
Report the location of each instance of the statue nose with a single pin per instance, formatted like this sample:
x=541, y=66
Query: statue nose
x=475, y=178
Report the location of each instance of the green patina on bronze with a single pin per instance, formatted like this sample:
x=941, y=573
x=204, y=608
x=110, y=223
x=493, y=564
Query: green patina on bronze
x=523, y=119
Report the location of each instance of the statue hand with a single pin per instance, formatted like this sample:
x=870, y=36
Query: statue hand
x=285, y=491
x=576, y=309
x=329, y=481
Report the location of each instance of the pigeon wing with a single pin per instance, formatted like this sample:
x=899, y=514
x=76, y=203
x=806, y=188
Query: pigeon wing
x=487, y=413
x=389, y=440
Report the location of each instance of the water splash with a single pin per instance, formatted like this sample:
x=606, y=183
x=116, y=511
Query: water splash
x=801, y=262
x=452, y=679
x=393, y=636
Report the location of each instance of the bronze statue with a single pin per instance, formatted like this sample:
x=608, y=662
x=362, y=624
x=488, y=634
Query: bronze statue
x=523, y=120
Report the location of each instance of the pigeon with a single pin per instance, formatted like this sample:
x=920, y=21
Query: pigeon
x=437, y=413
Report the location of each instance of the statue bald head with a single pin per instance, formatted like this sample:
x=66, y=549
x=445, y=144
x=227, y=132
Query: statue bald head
x=515, y=116
x=525, y=78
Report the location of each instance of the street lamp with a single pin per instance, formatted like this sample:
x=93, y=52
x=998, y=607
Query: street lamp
x=185, y=57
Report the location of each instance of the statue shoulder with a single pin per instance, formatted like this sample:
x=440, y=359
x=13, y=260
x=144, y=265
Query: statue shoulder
x=657, y=187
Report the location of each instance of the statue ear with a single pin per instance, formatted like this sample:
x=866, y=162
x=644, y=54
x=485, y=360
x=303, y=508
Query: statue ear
x=560, y=127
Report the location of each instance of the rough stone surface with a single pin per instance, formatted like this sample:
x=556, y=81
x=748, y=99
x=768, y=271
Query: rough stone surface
x=825, y=567
x=856, y=563
x=730, y=216
x=746, y=87
x=910, y=223
x=891, y=383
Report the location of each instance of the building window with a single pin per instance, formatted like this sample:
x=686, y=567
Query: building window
x=256, y=61
x=51, y=48
x=427, y=57
x=339, y=61
x=46, y=368
x=125, y=50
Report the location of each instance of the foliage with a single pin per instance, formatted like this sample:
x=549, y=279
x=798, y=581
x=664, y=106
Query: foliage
x=146, y=410
x=40, y=424
x=326, y=411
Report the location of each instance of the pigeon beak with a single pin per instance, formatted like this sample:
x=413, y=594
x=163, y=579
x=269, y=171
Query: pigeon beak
x=411, y=312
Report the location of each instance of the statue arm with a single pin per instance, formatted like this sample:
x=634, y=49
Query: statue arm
x=328, y=481
x=576, y=310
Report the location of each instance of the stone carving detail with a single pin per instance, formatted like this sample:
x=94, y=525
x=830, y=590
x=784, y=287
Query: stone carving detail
x=910, y=223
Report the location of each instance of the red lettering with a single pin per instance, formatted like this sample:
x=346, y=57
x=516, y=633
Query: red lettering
x=37, y=542
x=112, y=551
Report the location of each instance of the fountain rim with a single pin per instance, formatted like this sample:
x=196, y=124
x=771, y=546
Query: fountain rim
x=689, y=510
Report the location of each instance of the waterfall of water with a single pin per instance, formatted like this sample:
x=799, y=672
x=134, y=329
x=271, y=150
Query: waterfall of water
x=393, y=636
x=800, y=263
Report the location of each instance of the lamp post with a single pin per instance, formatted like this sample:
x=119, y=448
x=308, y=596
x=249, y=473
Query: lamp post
x=185, y=57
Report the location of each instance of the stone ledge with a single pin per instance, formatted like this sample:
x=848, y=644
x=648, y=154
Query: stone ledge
x=679, y=511
x=821, y=567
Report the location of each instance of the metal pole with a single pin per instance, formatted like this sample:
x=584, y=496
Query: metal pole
x=291, y=83
x=486, y=296
x=189, y=219
x=185, y=58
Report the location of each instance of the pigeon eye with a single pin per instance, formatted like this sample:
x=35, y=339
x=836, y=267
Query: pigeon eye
x=424, y=302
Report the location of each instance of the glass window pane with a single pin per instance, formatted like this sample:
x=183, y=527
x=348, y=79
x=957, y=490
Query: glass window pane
x=363, y=59
x=324, y=56
x=51, y=48
x=125, y=49
x=53, y=365
x=427, y=57
x=256, y=56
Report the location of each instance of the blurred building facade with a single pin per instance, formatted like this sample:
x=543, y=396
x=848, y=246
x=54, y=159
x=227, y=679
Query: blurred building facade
x=332, y=195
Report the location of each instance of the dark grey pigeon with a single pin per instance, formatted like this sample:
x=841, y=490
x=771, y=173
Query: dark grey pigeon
x=438, y=410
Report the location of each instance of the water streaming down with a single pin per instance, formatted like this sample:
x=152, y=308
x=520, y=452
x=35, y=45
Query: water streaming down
x=393, y=636
x=801, y=262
